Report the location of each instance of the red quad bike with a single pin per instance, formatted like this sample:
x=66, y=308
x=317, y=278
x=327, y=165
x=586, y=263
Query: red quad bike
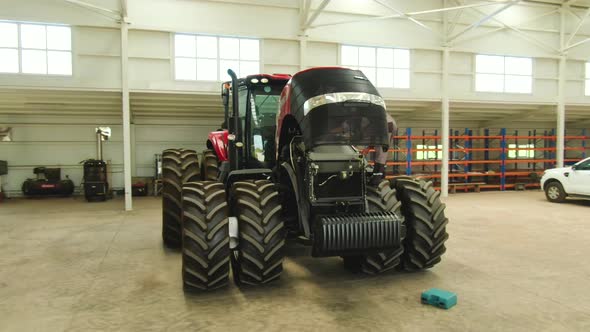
x=285, y=165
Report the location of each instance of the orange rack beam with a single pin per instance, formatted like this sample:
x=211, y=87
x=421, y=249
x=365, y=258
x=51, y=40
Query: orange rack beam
x=489, y=137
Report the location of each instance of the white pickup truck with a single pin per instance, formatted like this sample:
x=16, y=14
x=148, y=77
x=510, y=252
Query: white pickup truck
x=572, y=181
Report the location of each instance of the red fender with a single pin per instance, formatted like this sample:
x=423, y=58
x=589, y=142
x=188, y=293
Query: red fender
x=218, y=141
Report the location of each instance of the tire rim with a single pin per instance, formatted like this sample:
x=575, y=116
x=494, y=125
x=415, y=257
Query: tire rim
x=553, y=193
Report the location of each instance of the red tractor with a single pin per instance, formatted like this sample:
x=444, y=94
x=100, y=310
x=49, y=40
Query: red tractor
x=285, y=166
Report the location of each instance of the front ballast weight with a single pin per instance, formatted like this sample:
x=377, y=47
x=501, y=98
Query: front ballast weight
x=371, y=233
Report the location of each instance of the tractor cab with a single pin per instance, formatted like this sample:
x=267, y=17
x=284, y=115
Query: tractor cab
x=251, y=105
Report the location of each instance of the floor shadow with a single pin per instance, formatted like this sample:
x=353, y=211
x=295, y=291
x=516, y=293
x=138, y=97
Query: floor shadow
x=169, y=251
x=578, y=201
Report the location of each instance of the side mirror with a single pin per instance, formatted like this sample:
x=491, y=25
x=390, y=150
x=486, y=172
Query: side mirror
x=574, y=167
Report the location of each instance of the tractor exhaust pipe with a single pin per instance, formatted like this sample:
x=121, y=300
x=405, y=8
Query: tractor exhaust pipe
x=235, y=123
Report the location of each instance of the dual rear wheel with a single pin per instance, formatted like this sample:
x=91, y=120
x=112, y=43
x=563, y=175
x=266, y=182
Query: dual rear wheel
x=206, y=254
x=181, y=166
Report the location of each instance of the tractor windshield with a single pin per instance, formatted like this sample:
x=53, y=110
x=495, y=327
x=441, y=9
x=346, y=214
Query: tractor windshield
x=261, y=123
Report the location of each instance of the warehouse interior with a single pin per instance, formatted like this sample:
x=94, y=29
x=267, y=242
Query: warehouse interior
x=487, y=96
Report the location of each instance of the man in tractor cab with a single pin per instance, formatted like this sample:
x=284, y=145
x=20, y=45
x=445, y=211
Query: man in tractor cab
x=381, y=156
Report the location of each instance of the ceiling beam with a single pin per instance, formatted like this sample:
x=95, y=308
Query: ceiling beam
x=123, y=9
x=580, y=23
x=315, y=14
x=456, y=19
x=399, y=12
x=584, y=41
x=404, y=15
x=516, y=28
x=304, y=6
x=484, y=19
x=113, y=15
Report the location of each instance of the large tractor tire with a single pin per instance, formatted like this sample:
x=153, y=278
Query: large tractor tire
x=425, y=221
x=381, y=198
x=209, y=166
x=258, y=259
x=178, y=167
x=205, y=236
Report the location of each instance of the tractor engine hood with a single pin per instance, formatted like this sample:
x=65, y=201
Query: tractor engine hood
x=338, y=106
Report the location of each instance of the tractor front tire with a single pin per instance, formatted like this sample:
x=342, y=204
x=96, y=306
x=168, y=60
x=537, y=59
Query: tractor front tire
x=258, y=259
x=178, y=167
x=205, y=236
x=381, y=198
x=209, y=166
x=425, y=221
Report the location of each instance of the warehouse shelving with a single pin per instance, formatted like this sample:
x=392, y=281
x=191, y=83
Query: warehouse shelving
x=485, y=158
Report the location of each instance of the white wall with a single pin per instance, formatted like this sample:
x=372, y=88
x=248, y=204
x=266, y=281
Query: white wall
x=66, y=143
x=57, y=145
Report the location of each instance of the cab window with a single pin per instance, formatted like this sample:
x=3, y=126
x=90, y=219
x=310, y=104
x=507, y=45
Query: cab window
x=264, y=105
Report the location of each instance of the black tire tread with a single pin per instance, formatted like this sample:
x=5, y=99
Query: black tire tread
x=209, y=166
x=425, y=223
x=260, y=254
x=205, y=236
x=178, y=167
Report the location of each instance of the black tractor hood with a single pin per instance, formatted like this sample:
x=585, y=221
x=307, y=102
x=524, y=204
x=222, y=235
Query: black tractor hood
x=338, y=106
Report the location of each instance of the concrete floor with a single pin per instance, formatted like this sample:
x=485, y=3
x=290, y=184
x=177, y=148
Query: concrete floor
x=516, y=261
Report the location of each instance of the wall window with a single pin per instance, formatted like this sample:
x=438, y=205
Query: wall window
x=495, y=73
x=207, y=58
x=587, y=79
x=431, y=154
x=384, y=67
x=522, y=152
x=35, y=49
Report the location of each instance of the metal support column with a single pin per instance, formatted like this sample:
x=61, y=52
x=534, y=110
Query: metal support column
x=126, y=117
x=561, y=113
x=133, y=154
x=584, y=144
x=444, y=169
x=503, y=157
x=302, y=52
x=560, y=133
x=409, y=151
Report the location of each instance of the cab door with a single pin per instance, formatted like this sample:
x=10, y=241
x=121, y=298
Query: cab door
x=579, y=178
